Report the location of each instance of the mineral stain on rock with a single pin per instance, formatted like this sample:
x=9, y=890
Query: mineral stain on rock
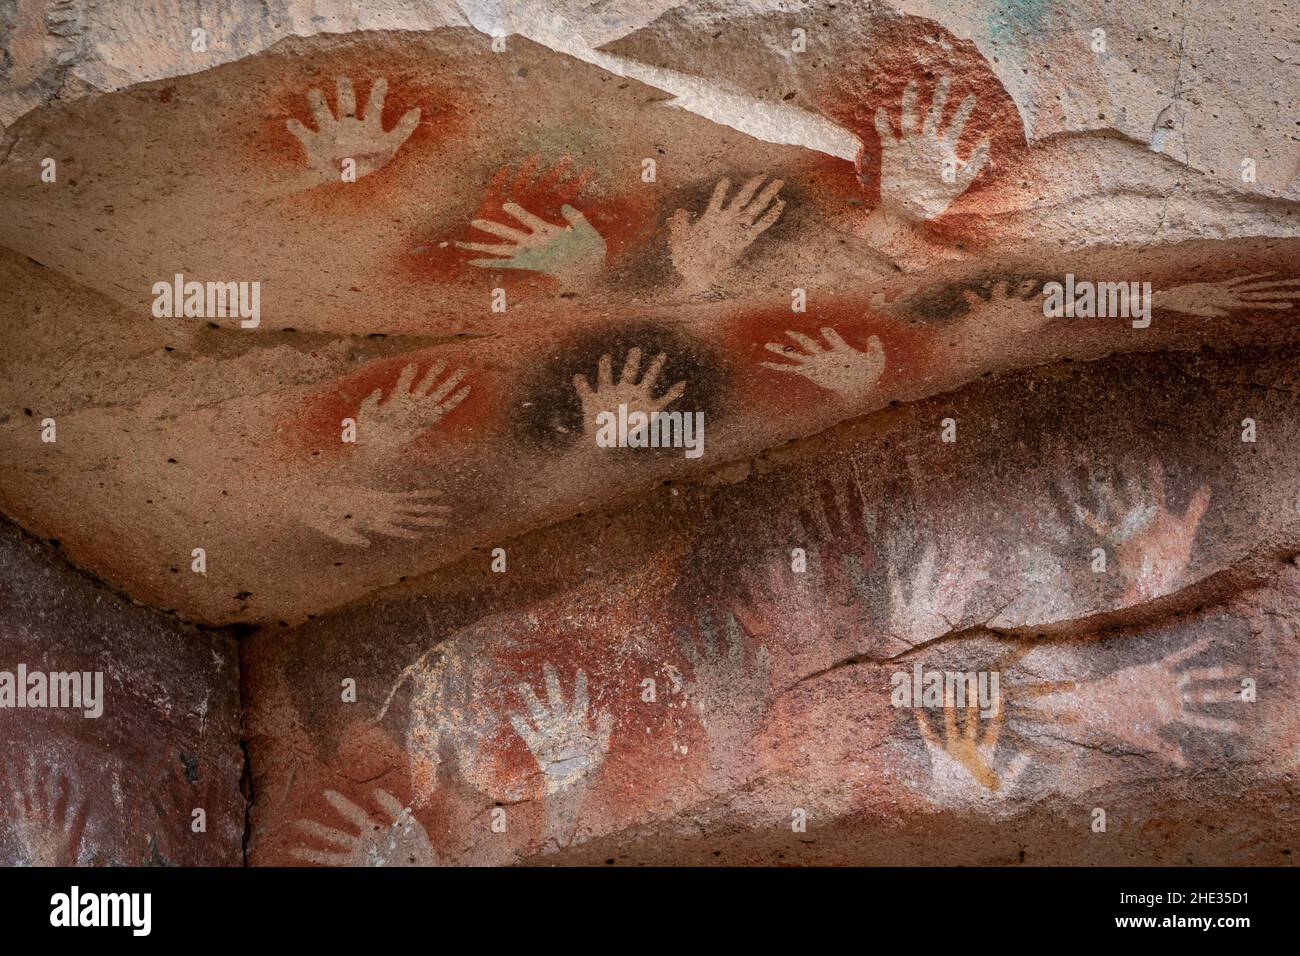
x=623, y=355
x=364, y=585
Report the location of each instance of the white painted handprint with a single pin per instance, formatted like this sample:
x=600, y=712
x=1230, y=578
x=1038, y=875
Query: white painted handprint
x=575, y=250
x=632, y=389
x=48, y=819
x=566, y=738
x=1217, y=299
x=401, y=841
x=350, y=515
x=920, y=173
x=704, y=248
x=837, y=367
x=1152, y=545
x=388, y=425
x=347, y=136
x=1136, y=704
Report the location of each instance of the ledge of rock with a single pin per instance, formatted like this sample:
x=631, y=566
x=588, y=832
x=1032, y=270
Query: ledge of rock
x=331, y=336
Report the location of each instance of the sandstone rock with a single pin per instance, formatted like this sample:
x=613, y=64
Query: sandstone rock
x=324, y=331
x=129, y=742
x=651, y=681
x=239, y=440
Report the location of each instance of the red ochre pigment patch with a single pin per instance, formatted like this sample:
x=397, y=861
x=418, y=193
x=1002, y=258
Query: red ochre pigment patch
x=317, y=425
x=907, y=349
x=919, y=49
x=624, y=221
x=831, y=184
x=370, y=753
x=443, y=118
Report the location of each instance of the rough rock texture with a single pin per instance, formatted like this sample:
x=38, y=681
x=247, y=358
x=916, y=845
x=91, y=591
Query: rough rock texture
x=526, y=691
x=115, y=783
x=362, y=470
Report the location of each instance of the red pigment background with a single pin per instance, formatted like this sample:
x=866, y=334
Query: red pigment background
x=907, y=348
x=915, y=48
x=624, y=221
x=317, y=421
x=613, y=683
x=444, y=117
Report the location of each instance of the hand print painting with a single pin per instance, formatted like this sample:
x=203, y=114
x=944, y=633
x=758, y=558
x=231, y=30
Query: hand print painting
x=682, y=433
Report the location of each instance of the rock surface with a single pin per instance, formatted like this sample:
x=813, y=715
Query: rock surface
x=125, y=750
x=314, y=316
x=639, y=685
